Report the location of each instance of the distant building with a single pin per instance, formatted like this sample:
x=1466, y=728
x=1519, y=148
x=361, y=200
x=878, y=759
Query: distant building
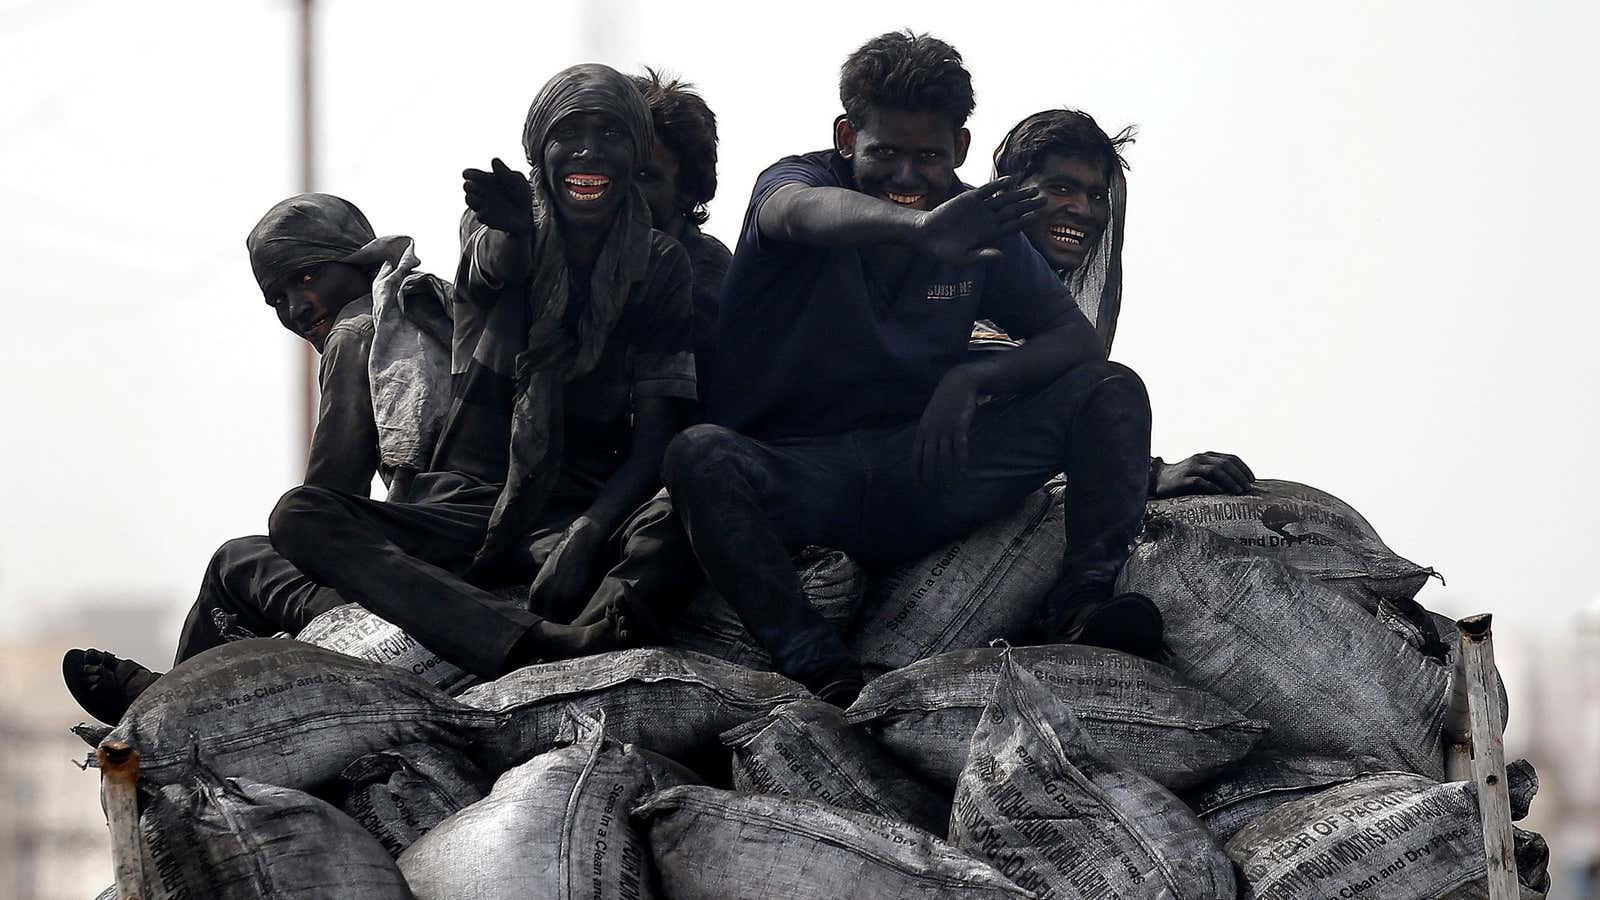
x=53, y=839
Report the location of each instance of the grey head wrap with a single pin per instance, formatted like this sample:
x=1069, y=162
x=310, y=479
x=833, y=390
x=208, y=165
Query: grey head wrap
x=302, y=231
x=551, y=354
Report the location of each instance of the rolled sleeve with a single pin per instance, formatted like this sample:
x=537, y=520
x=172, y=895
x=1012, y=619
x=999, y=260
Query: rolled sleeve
x=344, y=445
x=802, y=170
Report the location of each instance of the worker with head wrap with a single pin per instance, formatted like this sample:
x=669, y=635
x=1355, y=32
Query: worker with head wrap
x=573, y=365
x=1078, y=169
x=314, y=257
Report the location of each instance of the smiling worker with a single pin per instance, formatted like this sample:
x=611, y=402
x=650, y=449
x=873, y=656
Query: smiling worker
x=1078, y=169
x=845, y=408
x=573, y=366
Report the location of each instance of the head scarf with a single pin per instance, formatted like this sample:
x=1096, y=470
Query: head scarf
x=551, y=354
x=302, y=231
x=1096, y=284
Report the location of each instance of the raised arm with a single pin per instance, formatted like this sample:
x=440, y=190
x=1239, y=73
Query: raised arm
x=497, y=230
x=963, y=229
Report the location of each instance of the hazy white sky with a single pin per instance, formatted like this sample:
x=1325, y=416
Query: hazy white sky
x=1355, y=243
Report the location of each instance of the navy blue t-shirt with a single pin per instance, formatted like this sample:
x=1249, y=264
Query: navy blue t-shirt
x=809, y=343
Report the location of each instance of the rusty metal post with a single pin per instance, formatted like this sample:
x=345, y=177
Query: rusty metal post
x=1489, y=755
x=119, y=779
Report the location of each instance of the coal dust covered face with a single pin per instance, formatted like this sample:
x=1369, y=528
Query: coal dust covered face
x=308, y=300
x=658, y=179
x=1077, y=207
x=589, y=162
x=905, y=157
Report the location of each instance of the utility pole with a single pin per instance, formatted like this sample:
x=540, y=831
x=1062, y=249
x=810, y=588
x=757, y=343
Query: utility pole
x=308, y=180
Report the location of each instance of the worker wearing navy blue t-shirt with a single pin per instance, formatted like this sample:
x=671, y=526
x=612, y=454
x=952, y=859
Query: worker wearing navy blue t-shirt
x=845, y=410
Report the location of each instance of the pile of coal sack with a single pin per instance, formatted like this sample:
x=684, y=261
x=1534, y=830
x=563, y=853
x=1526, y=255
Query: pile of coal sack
x=1291, y=748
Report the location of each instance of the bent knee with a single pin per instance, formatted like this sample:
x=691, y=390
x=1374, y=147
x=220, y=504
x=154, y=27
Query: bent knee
x=232, y=554
x=694, y=451
x=290, y=518
x=1126, y=382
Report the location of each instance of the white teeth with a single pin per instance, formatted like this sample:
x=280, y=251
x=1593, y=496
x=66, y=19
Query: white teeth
x=587, y=180
x=585, y=198
x=904, y=199
x=1064, y=231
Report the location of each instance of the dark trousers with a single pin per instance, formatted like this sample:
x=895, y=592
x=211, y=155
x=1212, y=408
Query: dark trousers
x=250, y=590
x=747, y=505
x=404, y=563
x=655, y=575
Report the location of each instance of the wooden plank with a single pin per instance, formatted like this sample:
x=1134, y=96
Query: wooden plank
x=1489, y=755
x=119, y=781
x=1458, y=720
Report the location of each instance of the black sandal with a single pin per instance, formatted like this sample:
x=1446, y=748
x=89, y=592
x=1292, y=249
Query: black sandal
x=113, y=687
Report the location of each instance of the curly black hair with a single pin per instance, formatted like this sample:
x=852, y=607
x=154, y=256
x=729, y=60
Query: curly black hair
x=906, y=71
x=687, y=127
x=1068, y=132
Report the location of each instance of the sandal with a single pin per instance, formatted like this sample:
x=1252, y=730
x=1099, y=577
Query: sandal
x=104, y=684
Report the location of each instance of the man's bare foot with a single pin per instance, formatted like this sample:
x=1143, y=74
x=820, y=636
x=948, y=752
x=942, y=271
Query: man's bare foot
x=104, y=684
x=644, y=623
x=547, y=640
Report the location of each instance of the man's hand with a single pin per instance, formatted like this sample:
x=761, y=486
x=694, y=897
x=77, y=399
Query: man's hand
x=502, y=198
x=964, y=228
x=940, y=450
x=560, y=588
x=1204, y=473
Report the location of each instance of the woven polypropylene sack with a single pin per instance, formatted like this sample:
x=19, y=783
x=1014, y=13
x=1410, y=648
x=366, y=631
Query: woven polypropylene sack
x=353, y=631
x=674, y=702
x=1261, y=783
x=1264, y=781
x=399, y=795
x=1137, y=710
x=717, y=845
x=1280, y=646
x=555, y=827
x=830, y=580
x=987, y=585
x=1392, y=835
x=1306, y=528
x=286, y=713
x=236, y=839
x=807, y=750
x=1042, y=804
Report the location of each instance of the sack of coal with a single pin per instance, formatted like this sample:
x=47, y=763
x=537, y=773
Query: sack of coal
x=717, y=845
x=1040, y=802
x=554, y=827
x=806, y=749
x=1281, y=646
x=286, y=713
x=988, y=585
x=1391, y=835
x=237, y=839
x=1265, y=780
x=674, y=702
x=830, y=580
x=398, y=795
x=1137, y=710
x=1308, y=529
x=351, y=630
x=1262, y=782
